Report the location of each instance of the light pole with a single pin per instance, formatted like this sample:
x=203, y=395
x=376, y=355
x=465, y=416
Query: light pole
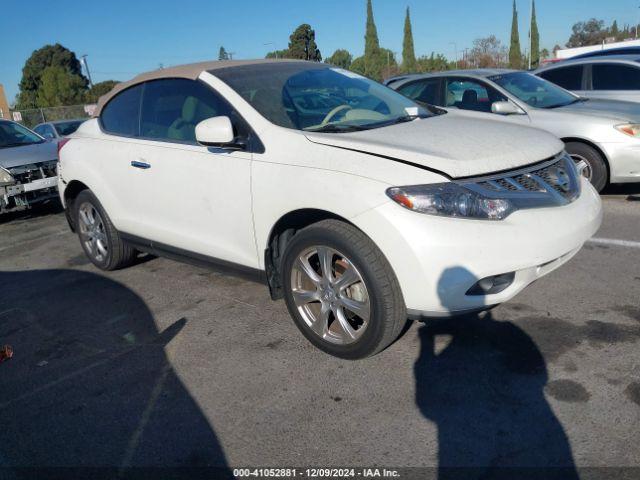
x=86, y=67
x=455, y=49
x=531, y=35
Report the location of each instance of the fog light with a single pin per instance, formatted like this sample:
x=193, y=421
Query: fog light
x=492, y=285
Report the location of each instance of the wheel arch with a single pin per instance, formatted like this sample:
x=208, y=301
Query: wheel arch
x=71, y=192
x=594, y=146
x=281, y=233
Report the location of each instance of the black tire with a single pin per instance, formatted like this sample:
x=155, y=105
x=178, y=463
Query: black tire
x=388, y=314
x=119, y=254
x=596, y=163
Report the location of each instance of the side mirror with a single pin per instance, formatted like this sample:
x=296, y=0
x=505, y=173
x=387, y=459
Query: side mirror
x=216, y=132
x=505, y=108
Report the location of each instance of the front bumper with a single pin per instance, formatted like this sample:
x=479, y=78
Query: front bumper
x=437, y=259
x=624, y=160
x=21, y=196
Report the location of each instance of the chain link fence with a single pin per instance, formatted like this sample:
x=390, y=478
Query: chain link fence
x=32, y=117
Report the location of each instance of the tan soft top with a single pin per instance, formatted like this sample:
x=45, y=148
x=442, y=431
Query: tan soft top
x=191, y=71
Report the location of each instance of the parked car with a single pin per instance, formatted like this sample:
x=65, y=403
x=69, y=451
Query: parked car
x=607, y=52
x=352, y=202
x=58, y=129
x=607, y=77
x=605, y=134
x=27, y=168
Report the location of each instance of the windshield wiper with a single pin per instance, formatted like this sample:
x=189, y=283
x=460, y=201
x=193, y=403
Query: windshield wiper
x=333, y=128
x=8, y=145
x=576, y=100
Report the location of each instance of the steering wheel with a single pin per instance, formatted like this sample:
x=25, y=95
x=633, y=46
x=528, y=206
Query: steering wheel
x=333, y=113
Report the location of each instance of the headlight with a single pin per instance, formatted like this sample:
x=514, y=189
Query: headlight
x=5, y=177
x=631, y=129
x=451, y=200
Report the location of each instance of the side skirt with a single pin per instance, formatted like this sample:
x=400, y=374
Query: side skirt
x=196, y=259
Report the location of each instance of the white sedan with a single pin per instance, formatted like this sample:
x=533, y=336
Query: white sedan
x=358, y=207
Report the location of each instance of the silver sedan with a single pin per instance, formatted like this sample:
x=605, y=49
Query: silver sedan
x=603, y=133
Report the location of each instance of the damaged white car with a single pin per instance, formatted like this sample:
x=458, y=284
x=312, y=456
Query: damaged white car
x=27, y=168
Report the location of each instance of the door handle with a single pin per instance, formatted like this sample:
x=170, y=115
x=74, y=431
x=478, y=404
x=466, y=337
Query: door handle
x=140, y=164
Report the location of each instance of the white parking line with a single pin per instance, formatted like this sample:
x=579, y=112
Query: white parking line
x=617, y=243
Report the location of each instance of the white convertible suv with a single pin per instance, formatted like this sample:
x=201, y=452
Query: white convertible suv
x=356, y=205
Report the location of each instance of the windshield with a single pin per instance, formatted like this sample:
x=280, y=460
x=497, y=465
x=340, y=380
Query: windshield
x=315, y=97
x=15, y=135
x=67, y=128
x=534, y=90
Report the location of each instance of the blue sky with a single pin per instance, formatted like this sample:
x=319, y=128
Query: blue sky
x=125, y=37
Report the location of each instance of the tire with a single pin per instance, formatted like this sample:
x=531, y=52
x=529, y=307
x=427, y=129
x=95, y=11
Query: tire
x=360, y=278
x=596, y=165
x=100, y=240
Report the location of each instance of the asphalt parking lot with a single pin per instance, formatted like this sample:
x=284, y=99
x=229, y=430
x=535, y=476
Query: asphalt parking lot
x=166, y=364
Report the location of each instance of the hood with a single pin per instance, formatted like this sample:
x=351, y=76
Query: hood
x=612, y=109
x=451, y=144
x=26, y=154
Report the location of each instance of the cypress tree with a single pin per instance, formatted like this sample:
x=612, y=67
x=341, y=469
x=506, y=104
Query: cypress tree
x=408, y=54
x=535, y=38
x=372, y=59
x=515, y=54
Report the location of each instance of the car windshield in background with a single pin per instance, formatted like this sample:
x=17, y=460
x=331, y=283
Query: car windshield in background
x=534, y=91
x=67, y=128
x=319, y=98
x=15, y=135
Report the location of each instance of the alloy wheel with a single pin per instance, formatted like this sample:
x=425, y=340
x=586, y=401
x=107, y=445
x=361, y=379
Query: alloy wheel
x=92, y=232
x=330, y=295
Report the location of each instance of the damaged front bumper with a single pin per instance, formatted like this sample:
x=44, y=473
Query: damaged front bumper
x=33, y=184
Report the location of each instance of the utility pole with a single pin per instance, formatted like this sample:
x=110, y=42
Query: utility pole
x=275, y=50
x=86, y=67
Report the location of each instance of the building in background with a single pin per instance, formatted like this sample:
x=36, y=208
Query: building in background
x=4, y=105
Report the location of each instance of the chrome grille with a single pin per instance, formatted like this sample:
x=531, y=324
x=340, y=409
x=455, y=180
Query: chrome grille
x=554, y=182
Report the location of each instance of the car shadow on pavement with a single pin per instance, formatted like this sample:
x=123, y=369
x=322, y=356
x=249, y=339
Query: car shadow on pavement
x=49, y=208
x=632, y=190
x=481, y=382
x=90, y=391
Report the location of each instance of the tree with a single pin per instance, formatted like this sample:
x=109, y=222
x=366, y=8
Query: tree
x=387, y=64
x=535, y=38
x=100, y=89
x=340, y=58
x=357, y=66
x=555, y=50
x=591, y=32
x=544, y=54
x=34, y=67
x=222, y=54
x=615, y=31
x=59, y=87
x=408, y=53
x=372, y=63
x=302, y=44
x=515, y=54
x=488, y=52
x=433, y=63
x=278, y=54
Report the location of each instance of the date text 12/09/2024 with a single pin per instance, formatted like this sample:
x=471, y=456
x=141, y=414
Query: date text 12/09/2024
x=315, y=473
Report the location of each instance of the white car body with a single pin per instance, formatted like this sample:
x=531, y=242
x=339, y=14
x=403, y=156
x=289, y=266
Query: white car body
x=225, y=204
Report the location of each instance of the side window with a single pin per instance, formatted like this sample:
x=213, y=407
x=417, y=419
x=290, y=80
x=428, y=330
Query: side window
x=423, y=91
x=121, y=116
x=569, y=78
x=615, y=77
x=172, y=108
x=45, y=130
x=469, y=94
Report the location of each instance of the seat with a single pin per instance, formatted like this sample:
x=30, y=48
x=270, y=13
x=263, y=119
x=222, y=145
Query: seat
x=470, y=100
x=193, y=112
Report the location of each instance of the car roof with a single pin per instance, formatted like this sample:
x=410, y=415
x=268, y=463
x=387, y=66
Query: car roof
x=603, y=59
x=479, y=72
x=190, y=71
